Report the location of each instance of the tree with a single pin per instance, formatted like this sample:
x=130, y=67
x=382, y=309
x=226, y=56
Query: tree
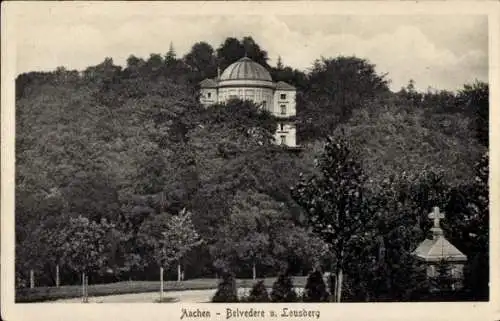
x=336, y=87
x=202, y=60
x=245, y=237
x=467, y=226
x=86, y=243
x=475, y=98
x=259, y=293
x=410, y=94
x=393, y=138
x=179, y=238
x=315, y=289
x=171, y=56
x=335, y=203
x=226, y=290
x=233, y=49
x=283, y=289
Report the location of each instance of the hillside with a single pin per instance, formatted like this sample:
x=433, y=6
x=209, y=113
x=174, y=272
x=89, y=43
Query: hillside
x=133, y=147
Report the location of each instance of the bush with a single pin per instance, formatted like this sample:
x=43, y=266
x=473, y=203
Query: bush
x=283, y=290
x=226, y=290
x=315, y=289
x=259, y=293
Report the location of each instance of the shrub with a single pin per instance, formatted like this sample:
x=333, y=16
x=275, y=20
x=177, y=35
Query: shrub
x=283, y=290
x=259, y=293
x=226, y=290
x=315, y=289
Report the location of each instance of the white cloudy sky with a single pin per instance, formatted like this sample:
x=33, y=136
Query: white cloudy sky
x=440, y=51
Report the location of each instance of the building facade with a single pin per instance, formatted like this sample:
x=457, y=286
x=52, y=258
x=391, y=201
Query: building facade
x=248, y=80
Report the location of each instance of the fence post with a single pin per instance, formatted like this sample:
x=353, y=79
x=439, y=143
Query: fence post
x=161, y=284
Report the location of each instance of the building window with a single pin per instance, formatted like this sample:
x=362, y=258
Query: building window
x=283, y=96
x=283, y=109
x=283, y=139
x=264, y=104
x=282, y=127
x=209, y=95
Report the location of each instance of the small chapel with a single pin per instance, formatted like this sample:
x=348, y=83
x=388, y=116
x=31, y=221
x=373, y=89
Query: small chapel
x=247, y=80
x=439, y=250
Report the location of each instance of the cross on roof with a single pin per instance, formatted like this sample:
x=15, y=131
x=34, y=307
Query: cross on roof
x=436, y=216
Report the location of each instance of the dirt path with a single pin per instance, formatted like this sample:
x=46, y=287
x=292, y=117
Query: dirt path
x=192, y=296
x=187, y=296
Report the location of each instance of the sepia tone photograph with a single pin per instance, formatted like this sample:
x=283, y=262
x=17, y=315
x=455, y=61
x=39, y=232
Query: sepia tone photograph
x=258, y=158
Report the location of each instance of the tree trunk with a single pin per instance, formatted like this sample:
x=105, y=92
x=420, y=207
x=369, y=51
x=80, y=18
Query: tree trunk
x=57, y=276
x=339, y=275
x=83, y=287
x=254, y=271
x=86, y=289
x=161, y=284
x=334, y=286
x=339, y=285
x=178, y=272
x=32, y=279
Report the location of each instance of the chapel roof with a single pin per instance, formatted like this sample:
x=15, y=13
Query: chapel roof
x=437, y=249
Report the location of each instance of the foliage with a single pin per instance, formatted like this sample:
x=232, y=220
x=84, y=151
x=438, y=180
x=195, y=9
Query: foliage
x=259, y=293
x=168, y=238
x=233, y=49
x=226, y=290
x=393, y=138
x=283, y=289
x=315, y=289
x=202, y=61
x=475, y=98
x=85, y=243
x=467, y=225
x=335, y=203
x=336, y=87
x=131, y=145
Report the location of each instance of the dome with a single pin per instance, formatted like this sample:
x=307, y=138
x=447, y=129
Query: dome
x=245, y=69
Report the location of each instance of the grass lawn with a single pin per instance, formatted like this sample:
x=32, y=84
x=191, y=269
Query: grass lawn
x=73, y=291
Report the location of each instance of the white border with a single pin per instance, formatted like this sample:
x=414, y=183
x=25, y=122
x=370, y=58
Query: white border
x=354, y=311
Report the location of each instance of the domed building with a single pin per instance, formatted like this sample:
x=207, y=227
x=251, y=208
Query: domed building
x=247, y=80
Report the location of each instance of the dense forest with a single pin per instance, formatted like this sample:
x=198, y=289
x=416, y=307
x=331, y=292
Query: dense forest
x=119, y=170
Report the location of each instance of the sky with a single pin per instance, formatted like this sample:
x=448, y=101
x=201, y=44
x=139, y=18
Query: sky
x=437, y=51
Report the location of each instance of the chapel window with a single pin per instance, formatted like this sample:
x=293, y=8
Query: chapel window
x=283, y=96
x=283, y=109
x=283, y=139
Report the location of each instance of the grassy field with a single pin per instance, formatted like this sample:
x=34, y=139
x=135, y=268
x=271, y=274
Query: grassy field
x=41, y=294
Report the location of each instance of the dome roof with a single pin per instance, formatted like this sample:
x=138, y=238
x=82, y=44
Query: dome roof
x=245, y=69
